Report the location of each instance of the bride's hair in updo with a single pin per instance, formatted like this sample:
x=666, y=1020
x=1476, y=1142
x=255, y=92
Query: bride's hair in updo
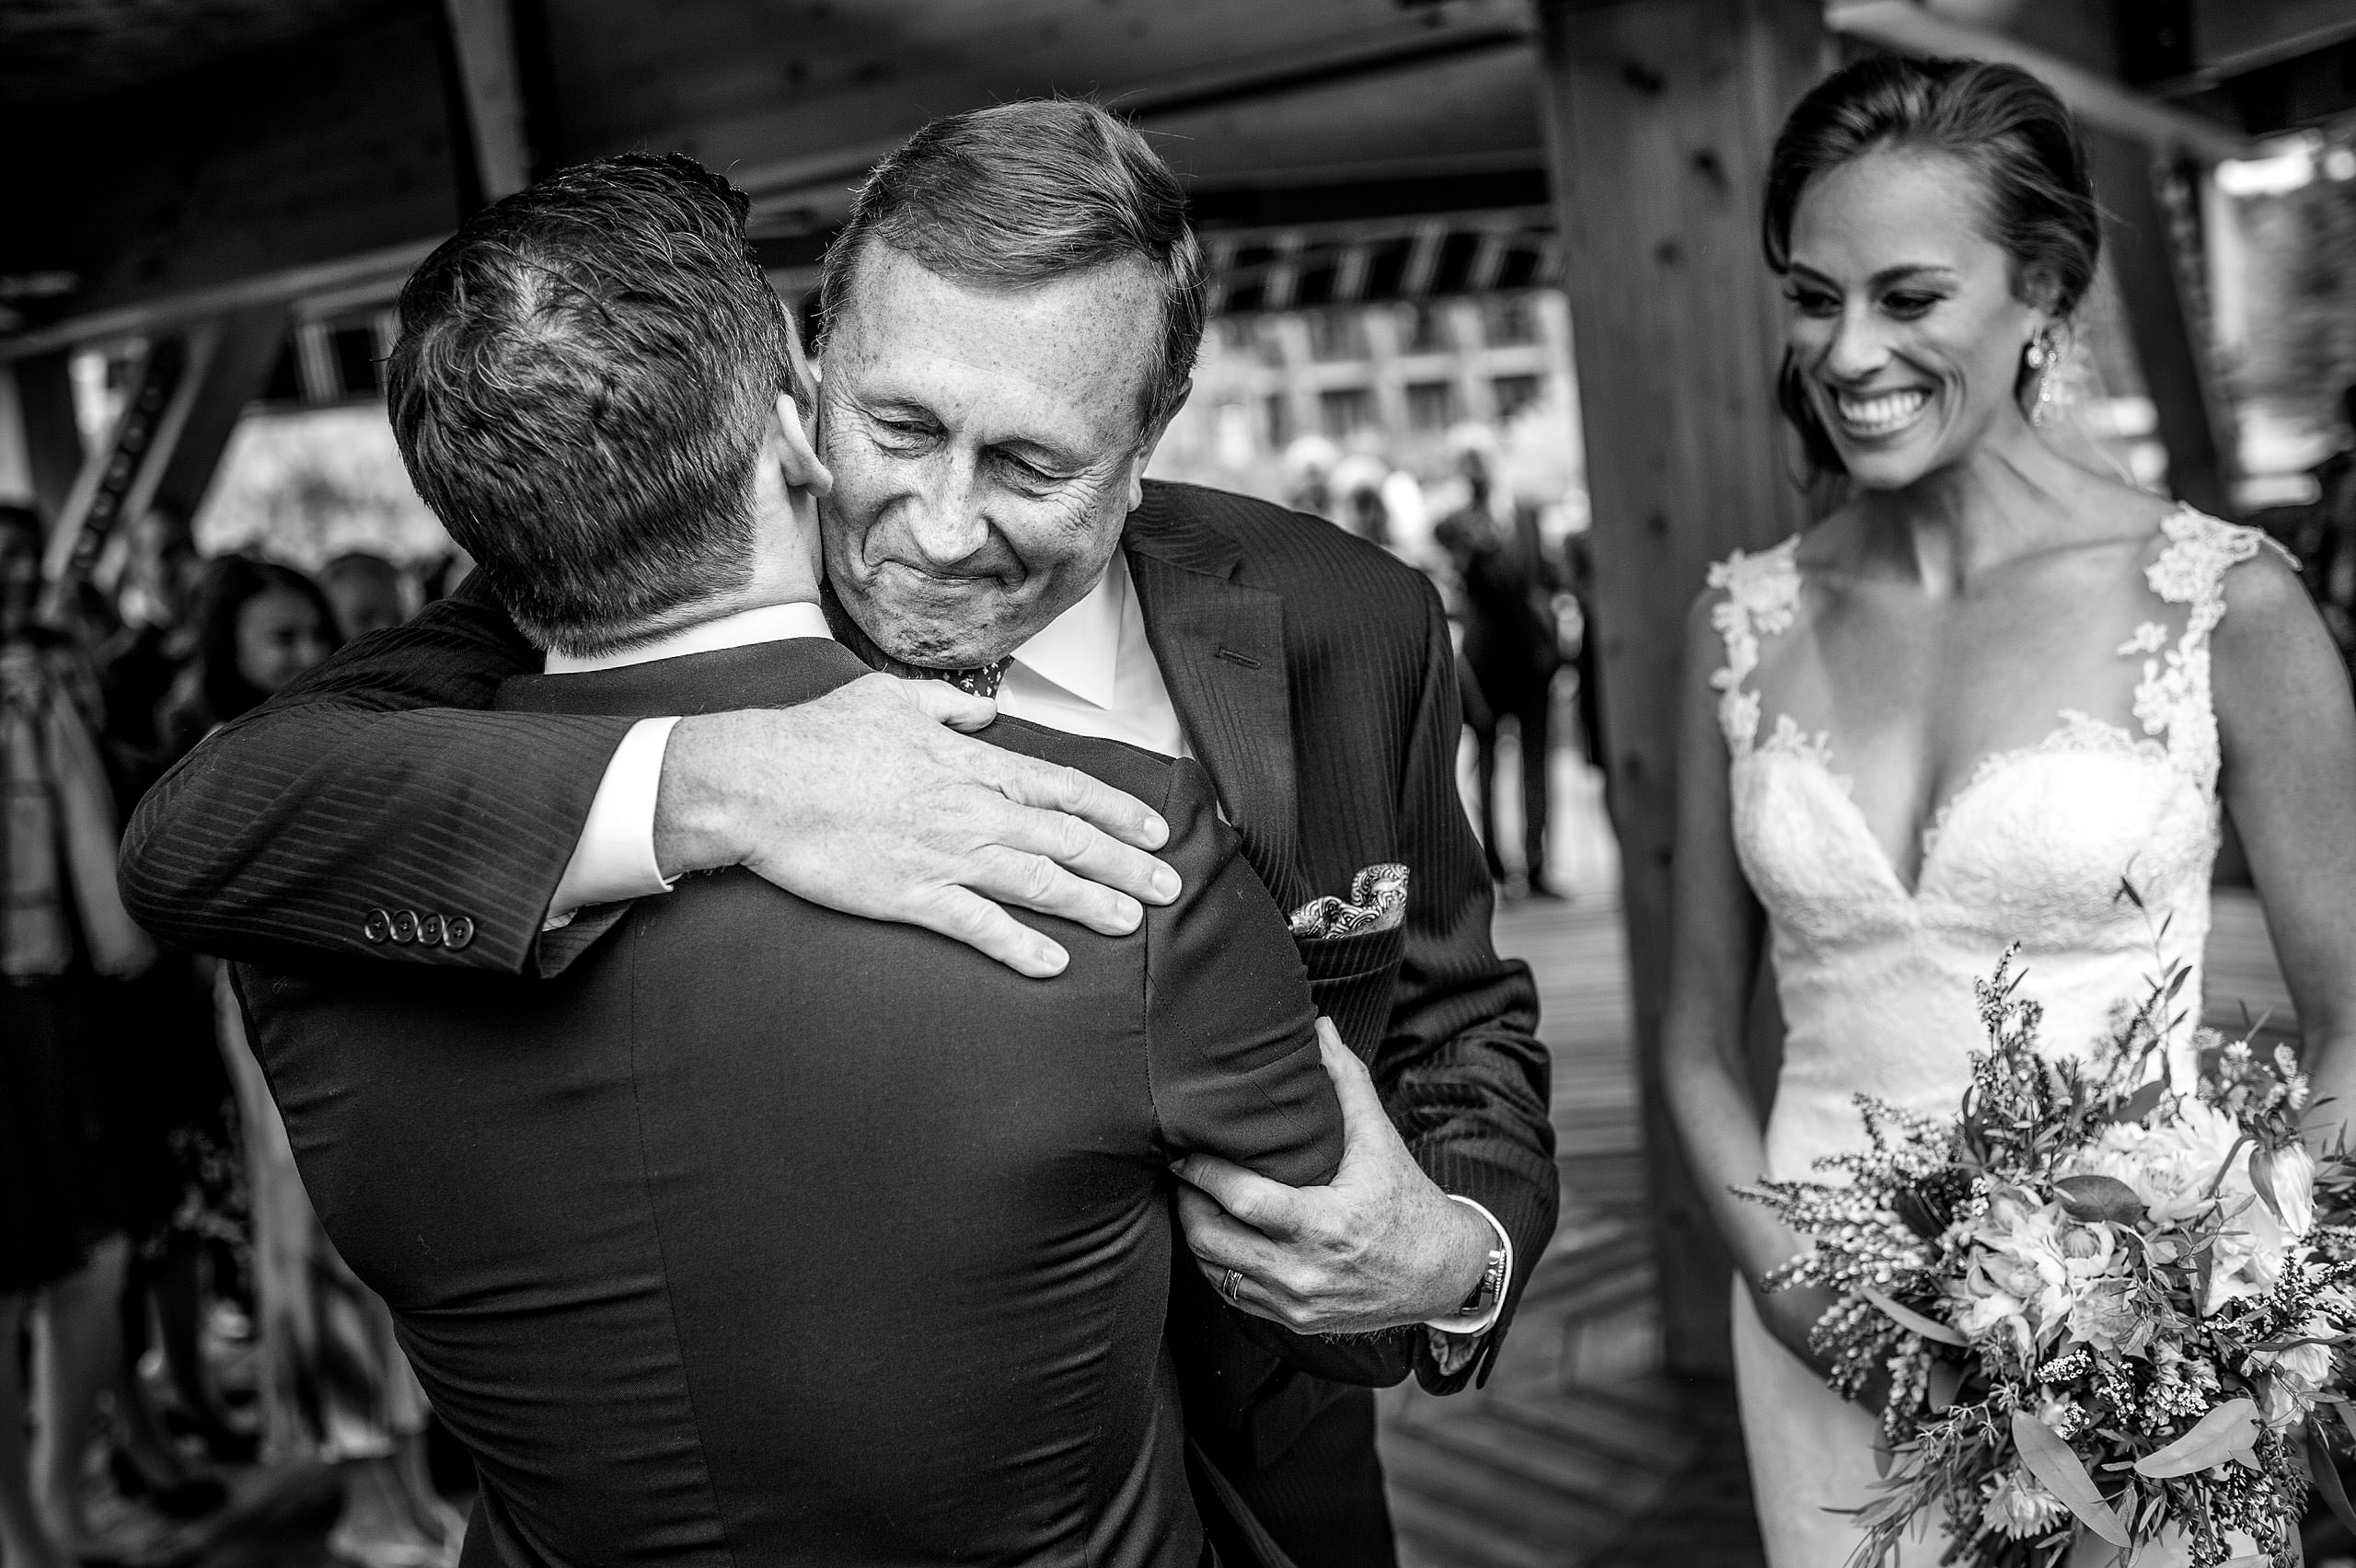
x=2009, y=127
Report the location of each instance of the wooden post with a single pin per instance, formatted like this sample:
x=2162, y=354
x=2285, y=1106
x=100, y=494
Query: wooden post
x=53, y=436
x=482, y=46
x=234, y=376
x=1660, y=114
x=183, y=402
x=2170, y=330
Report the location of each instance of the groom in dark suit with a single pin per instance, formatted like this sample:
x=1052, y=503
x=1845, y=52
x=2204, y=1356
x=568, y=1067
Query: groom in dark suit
x=766, y=1234
x=1012, y=311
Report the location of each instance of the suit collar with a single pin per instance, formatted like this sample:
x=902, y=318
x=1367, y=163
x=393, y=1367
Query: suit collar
x=763, y=623
x=1221, y=647
x=763, y=674
x=1164, y=533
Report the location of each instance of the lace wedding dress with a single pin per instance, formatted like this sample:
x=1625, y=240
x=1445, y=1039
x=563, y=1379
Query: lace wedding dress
x=1876, y=979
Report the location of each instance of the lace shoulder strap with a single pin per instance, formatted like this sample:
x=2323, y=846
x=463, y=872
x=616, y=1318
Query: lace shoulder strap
x=2173, y=697
x=1762, y=591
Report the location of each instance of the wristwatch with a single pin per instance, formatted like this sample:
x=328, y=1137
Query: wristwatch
x=1486, y=1294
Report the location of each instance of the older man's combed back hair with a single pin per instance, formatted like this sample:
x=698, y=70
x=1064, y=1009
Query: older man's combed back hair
x=1024, y=192
x=583, y=378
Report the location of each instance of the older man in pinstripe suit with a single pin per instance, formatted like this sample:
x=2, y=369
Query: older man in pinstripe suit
x=1013, y=309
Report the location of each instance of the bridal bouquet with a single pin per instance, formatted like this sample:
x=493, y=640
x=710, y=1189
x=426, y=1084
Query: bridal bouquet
x=2098, y=1301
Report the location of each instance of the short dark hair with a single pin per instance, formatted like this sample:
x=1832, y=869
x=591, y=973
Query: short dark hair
x=2009, y=128
x=1023, y=192
x=580, y=388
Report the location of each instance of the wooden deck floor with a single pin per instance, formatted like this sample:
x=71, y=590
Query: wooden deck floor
x=1581, y=1452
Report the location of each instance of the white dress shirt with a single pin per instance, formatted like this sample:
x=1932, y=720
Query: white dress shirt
x=614, y=859
x=1088, y=672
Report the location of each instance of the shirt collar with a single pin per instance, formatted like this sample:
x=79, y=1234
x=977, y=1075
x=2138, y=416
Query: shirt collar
x=1080, y=649
x=763, y=623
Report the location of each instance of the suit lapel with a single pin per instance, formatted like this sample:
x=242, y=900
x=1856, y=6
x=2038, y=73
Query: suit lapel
x=1221, y=648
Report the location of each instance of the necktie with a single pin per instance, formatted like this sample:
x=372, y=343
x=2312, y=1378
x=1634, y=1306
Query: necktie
x=981, y=680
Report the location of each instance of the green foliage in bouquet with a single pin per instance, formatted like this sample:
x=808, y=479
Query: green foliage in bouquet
x=2092, y=1300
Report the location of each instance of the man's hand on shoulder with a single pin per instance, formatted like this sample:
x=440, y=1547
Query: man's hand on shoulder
x=1378, y=1247
x=869, y=801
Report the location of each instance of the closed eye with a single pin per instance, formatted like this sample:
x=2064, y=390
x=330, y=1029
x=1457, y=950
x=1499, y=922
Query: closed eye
x=1908, y=304
x=1812, y=302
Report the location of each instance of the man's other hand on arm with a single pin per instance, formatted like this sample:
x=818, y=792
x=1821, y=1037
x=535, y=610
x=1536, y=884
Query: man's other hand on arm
x=870, y=801
x=1379, y=1247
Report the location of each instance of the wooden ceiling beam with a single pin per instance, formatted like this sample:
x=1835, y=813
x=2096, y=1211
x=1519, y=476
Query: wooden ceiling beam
x=1904, y=28
x=359, y=279
x=1405, y=45
x=482, y=41
x=2232, y=35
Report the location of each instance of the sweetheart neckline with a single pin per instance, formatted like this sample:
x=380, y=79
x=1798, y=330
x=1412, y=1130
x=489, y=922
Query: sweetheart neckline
x=2078, y=733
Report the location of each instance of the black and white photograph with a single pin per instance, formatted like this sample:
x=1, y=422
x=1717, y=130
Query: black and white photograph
x=1178, y=784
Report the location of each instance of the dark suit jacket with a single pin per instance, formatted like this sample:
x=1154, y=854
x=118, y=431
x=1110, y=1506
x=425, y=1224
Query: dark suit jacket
x=764, y=1234
x=1314, y=676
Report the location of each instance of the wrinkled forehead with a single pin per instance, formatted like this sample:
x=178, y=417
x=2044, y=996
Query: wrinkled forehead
x=1089, y=339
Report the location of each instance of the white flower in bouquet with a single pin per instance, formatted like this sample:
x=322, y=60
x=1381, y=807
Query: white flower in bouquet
x=2017, y=1254
x=2020, y=1507
x=2034, y=1270
x=2197, y=1156
x=2102, y=1311
x=2295, y=1376
x=2171, y=1167
x=2107, y=1316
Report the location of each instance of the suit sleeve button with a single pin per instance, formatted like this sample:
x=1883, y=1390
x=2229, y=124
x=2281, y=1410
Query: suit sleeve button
x=457, y=932
x=429, y=929
x=404, y=925
x=377, y=925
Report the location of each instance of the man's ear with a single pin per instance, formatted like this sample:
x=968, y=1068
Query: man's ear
x=1143, y=457
x=796, y=458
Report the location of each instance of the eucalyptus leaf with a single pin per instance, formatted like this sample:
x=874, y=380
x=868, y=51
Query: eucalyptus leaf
x=1906, y=1317
x=2099, y=1197
x=2228, y=1432
x=2327, y=1478
x=2057, y=1466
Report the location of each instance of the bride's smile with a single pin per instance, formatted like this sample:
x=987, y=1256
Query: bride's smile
x=1908, y=320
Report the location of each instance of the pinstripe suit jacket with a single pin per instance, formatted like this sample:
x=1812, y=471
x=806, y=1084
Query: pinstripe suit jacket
x=1313, y=674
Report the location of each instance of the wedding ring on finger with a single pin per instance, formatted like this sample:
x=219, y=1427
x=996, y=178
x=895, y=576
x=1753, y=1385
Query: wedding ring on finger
x=1233, y=1284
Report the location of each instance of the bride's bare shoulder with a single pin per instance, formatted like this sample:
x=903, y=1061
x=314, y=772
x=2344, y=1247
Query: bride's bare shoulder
x=1833, y=550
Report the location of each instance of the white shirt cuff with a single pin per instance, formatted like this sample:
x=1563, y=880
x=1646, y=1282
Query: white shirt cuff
x=614, y=859
x=1481, y=1322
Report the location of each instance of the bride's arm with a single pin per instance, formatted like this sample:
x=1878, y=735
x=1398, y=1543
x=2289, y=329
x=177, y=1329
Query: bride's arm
x=1716, y=930
x=2288, y=730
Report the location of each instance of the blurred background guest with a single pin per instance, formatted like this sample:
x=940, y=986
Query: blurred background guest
x=62, y=925
x=334, y=1386
x=1512, y=651
x=154, y=643
x=368, y=591
x=259, y=626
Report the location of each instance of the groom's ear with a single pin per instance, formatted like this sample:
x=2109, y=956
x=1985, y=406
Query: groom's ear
x=796, y=458
x=801, y=371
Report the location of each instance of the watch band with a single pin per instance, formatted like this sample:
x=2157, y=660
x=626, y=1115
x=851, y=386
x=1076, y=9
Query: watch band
x=1492, y=1287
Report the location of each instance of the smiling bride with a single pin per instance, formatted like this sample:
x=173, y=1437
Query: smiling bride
x=1963, y=709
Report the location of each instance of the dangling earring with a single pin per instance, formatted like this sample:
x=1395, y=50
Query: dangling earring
x=2044, y=358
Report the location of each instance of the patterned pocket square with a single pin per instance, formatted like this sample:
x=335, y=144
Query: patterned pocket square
x=1378, y=902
